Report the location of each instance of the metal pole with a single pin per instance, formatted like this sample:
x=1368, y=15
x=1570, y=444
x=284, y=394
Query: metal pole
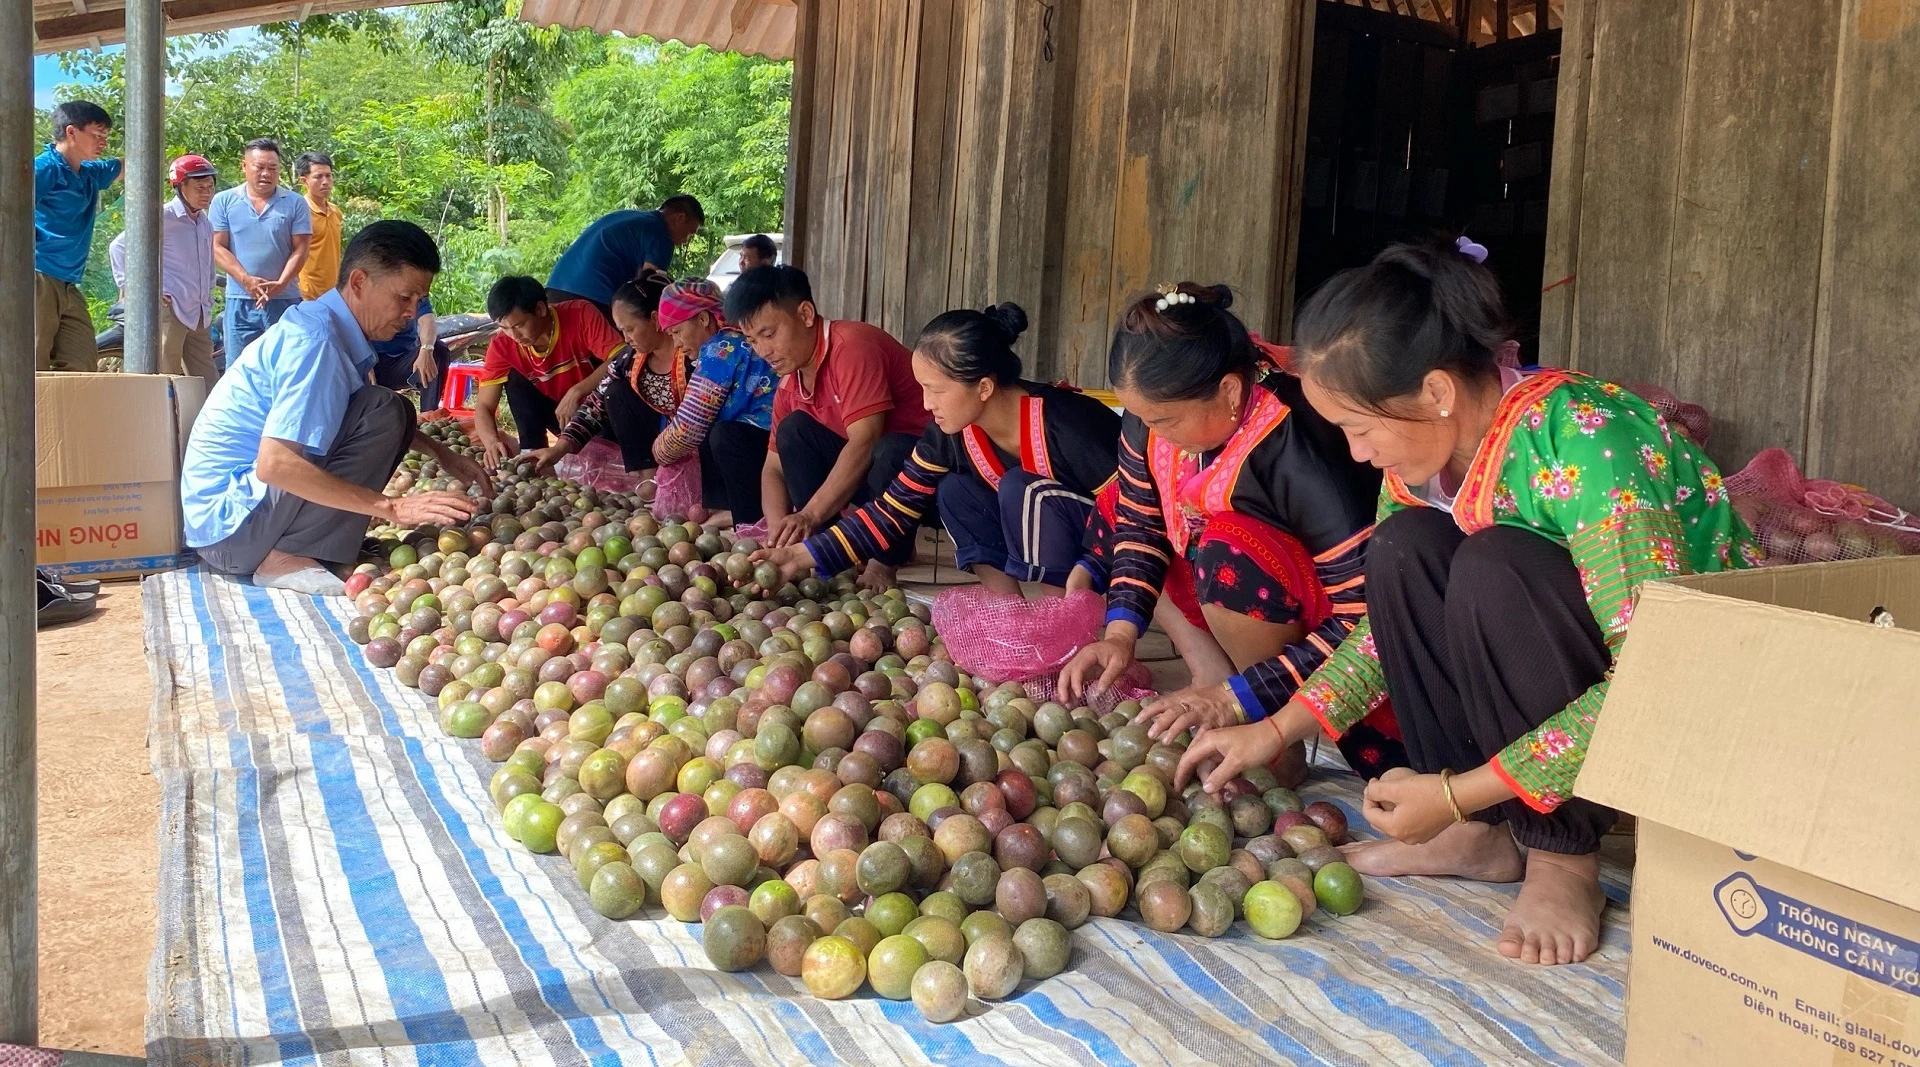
x=145, y=176
x=19, y=860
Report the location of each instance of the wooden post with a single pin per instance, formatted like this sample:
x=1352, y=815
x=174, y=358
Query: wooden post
x=795, y=214
x=145, y=173
x=19, y=903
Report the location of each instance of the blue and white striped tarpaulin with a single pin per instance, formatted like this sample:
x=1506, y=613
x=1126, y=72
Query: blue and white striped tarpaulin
x=336, y=888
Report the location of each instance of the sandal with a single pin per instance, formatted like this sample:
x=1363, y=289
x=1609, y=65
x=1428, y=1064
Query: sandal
x=58, y=605
x=69, y=585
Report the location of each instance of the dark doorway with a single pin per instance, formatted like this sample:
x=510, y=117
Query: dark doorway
x=1432, y=117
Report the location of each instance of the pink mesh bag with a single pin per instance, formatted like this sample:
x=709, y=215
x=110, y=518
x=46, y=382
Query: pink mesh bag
x=1690, y=419
x=1814, y=520
x=600, y=466
x=677, y=490
x=1004, y=637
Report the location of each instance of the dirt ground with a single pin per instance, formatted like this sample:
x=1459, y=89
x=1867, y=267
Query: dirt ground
x=99, y=806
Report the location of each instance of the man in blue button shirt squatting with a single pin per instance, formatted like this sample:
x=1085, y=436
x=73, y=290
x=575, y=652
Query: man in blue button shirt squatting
x=68, y=179
x=618, y=247
x=288, y=458
x=262, y=232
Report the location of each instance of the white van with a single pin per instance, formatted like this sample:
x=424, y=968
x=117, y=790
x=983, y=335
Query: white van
x=727, y=267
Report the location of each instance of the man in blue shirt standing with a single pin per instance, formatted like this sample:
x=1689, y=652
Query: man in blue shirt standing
x=68, y=179
x=615, y=248
x=288, y=457
x=262, y=232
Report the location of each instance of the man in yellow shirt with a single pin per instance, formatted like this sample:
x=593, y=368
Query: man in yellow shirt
x=322, y=270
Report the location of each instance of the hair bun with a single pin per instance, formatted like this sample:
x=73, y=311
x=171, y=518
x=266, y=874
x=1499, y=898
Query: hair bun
x=1009, y=316
x=1217, y=296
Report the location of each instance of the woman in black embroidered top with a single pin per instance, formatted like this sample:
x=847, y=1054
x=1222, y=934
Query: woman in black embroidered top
x=1012, y=465
x=1243, y=505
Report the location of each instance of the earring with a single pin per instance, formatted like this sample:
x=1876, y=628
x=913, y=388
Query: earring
x=1444, y=413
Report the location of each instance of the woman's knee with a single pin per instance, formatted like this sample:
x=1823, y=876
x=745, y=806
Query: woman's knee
x=1413, y=533
x=1504, y=560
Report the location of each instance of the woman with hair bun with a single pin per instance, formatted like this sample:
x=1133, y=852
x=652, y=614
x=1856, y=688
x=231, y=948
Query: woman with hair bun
x=1518, y=516
x=1243, y=507
x=1012, y=465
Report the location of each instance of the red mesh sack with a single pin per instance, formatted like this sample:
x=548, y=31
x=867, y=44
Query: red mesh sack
x=1690, y=419
x=1004, y=637
x=677, y=490
x=1134, y=684
x=1815, y=520
x=599, y=466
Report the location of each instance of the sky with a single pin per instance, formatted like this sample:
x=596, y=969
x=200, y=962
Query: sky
x=47, y=73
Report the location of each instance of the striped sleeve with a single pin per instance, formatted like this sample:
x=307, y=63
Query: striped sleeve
x=887, y=521
x=1265, y=687
x=1140, y=549
x=590, y=418
x=682, y=435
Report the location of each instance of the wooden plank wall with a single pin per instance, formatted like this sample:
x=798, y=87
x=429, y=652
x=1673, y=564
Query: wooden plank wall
x=947, y=161
x=1738, y=205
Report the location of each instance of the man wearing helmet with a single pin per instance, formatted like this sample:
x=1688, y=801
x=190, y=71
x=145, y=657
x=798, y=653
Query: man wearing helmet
x=186, y=271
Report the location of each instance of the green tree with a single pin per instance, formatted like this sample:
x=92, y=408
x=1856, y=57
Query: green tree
x=501, y=139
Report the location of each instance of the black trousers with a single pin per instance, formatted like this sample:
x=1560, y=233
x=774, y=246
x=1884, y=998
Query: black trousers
x=808, y=451
x=1482, y=639
x=731, y=459
x=535, y=414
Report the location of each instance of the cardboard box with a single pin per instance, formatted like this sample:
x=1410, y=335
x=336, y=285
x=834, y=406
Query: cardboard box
x=107, y=463
x=1768, y=738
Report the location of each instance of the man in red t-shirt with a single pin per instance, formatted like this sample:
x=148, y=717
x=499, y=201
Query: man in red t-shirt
x=845, y=417
x=546, y=359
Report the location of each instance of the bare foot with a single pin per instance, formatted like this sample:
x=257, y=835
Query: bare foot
x=1557, y=917
x=877, y=576
x=280, y=563
x=1473, y=850
x=718, y=520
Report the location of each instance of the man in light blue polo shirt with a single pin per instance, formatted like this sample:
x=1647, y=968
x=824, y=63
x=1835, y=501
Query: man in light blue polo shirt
x=289, y=455
x=262, y=232
x=68, y=179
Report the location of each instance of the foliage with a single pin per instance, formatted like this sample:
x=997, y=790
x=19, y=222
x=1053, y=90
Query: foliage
x=501, y=138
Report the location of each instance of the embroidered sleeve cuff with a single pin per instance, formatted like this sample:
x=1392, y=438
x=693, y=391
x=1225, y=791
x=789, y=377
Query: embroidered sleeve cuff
x=1119, y=614
x=1250, y=705
x=1538, y=801
x=1316, y=700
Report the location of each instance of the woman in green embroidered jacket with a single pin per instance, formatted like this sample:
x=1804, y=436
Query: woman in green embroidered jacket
x=1518, y=514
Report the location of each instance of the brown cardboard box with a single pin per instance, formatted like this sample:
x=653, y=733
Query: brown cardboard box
x=107, y=462
x=1768, y=738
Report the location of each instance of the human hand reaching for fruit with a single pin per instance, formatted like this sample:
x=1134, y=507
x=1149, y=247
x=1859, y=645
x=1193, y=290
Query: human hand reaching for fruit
x=1095, y=667
x=439, y=507
x=494, y=450
x=1197, y=708
x=789, y=529
x=1219, y=756
x=789, y=562
x=545, y=458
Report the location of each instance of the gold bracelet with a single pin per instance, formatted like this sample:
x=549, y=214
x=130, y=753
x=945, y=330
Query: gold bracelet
x=1233, y=700
x=1446, y=789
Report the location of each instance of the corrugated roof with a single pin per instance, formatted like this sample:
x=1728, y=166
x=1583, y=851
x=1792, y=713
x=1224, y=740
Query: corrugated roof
x=755, y=27
x=65, y=25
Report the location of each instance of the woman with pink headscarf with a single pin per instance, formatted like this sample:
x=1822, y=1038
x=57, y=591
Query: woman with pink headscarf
x=728, y=405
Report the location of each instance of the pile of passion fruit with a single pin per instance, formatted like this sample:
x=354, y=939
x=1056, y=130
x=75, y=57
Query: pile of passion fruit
x=800, y=767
